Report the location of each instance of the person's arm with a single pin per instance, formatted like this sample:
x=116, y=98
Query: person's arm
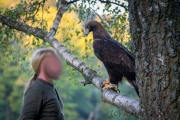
x=31, y=105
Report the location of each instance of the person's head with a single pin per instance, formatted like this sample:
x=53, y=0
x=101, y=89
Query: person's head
x=46, y=62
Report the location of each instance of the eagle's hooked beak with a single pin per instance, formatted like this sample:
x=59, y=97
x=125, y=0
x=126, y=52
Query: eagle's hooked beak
x=86, y=31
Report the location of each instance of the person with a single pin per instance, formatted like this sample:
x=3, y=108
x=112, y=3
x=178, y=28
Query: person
x=41, y=100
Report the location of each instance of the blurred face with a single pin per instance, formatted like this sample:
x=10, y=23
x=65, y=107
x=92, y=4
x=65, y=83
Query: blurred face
x=52, y=66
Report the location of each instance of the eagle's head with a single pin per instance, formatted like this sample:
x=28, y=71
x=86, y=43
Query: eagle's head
x=90, y=26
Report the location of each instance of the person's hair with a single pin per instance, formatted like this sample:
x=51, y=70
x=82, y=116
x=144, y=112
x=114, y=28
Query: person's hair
x=36, y=60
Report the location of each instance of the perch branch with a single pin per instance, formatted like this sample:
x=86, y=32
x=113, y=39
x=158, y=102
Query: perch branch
x=129, y=105
x=108, y=2
x=84, y=82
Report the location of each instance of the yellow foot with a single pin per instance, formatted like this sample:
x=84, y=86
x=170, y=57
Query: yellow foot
x=108, y=85
x=106, y=82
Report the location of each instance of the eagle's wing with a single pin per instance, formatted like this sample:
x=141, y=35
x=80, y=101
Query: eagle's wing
x=114, y=54
x=117, y=60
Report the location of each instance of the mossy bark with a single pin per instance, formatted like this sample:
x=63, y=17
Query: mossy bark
x=155, y=31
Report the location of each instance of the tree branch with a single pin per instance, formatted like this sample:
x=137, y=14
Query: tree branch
x=99, y=17
x=129, y=105
x=70, y=2
x=108, y=1
x=62, y=9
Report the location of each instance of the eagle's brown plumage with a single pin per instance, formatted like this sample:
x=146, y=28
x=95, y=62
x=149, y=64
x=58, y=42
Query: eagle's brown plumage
x=117, y=60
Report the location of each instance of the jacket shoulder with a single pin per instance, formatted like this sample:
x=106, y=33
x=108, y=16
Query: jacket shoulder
x=36, y=85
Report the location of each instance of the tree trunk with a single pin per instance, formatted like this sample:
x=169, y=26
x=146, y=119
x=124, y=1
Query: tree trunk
x=155, y=31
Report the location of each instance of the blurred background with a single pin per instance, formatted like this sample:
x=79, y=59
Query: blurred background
x=80, y=102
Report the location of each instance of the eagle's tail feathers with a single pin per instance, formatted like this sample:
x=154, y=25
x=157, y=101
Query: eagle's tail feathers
x=135, y=87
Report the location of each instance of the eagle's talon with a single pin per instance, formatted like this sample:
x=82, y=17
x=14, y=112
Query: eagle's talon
x=111, y=86
x=104, y=83
x=116, y=89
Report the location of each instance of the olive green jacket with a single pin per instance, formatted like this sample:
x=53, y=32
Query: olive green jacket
x=41, y=102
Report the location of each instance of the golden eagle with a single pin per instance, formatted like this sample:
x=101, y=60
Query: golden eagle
x=117, y=60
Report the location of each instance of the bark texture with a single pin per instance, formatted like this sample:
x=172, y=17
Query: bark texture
x=155, y=30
